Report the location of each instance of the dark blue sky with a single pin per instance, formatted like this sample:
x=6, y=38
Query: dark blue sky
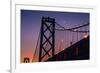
x=31, y=22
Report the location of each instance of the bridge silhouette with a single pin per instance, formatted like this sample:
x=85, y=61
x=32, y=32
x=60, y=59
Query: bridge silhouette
x=58, y=43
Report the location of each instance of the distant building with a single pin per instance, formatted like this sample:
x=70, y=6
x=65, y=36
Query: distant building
x=26, y=60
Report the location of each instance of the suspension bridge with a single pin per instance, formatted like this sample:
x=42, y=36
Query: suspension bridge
x=58, y=43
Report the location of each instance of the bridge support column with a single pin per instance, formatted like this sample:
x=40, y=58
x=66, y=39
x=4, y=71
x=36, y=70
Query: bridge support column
x=47, y=37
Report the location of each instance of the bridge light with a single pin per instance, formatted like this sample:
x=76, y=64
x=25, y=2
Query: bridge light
x=62, y=40
x=85, y=36
x=75, y=30
x=63, y=49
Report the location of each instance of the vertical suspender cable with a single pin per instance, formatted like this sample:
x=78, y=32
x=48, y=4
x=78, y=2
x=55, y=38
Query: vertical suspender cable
x=36, y=47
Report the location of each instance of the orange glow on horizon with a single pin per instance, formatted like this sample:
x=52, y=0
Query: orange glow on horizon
x=25, y=54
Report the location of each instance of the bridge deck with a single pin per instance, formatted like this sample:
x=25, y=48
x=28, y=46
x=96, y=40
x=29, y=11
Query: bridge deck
x=78, y=51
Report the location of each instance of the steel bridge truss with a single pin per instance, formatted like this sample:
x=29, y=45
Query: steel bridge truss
x=47, y=36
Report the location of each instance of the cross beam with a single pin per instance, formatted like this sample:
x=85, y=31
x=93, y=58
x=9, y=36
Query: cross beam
x=47, y=25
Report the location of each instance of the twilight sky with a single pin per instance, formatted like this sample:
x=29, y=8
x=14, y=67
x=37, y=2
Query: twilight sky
x=31, y=22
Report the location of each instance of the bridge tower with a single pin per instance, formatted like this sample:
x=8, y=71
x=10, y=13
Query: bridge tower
x=47, y=37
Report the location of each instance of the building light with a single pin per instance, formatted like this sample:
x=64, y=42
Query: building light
x=26, y=60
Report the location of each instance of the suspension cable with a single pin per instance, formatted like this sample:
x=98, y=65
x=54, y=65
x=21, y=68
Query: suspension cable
x=36, y=47
x=72, y=29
